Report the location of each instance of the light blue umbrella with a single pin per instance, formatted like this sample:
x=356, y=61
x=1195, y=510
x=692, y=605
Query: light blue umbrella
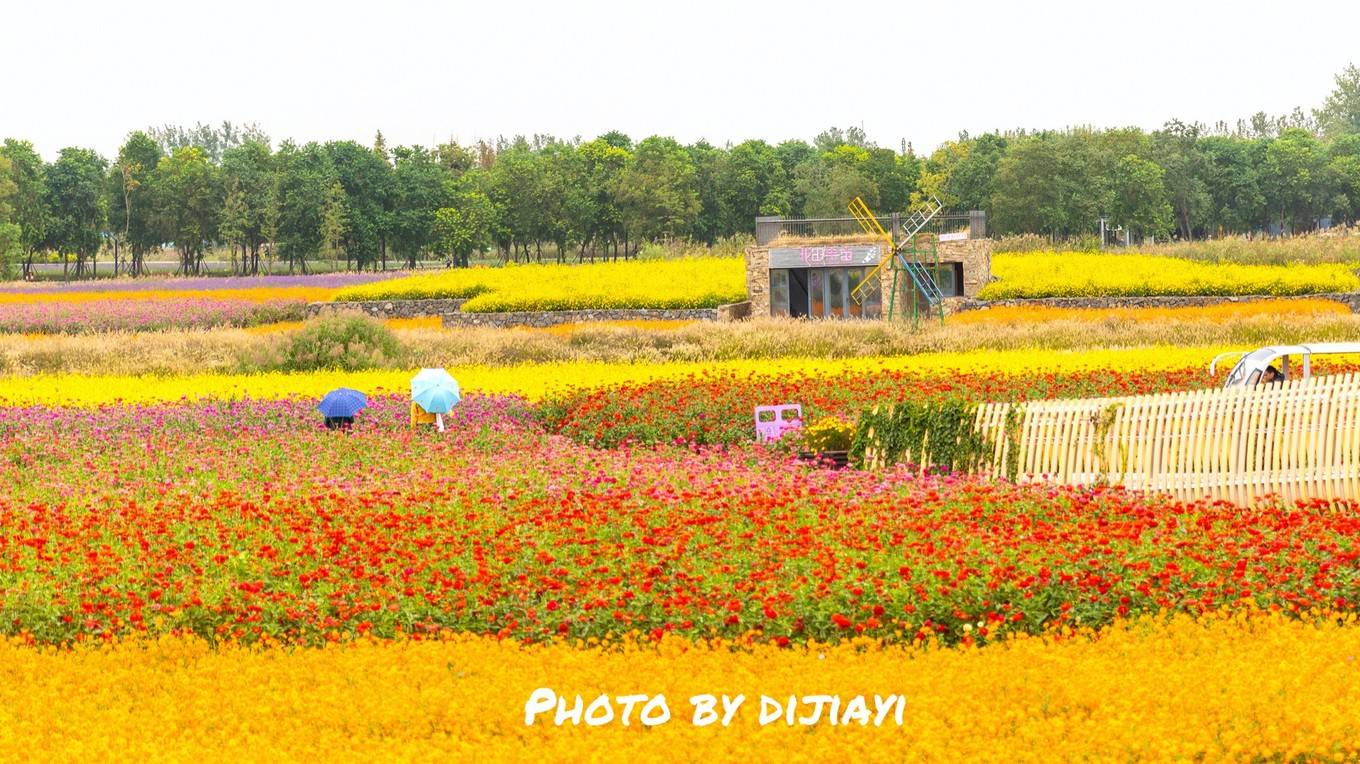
x=435, y=391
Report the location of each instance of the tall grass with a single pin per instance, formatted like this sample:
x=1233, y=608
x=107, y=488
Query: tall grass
x=236, y=350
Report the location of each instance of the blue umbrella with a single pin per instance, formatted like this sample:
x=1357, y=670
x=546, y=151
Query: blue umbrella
x=435, y=391
x=342, y=402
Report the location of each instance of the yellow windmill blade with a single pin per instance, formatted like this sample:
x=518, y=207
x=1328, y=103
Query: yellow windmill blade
x=871, y=226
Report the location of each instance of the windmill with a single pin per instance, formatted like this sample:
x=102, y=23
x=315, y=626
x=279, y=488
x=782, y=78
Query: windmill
x=906, y=258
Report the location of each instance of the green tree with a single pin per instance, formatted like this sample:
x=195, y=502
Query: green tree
x=303, y=178
x=828, y=188
x=791, y=155
x=465, y=226
x=1294, y=178
x=750, y=182
x=213, y=141
x=1340, y=113
x=1047, y=183
x=656, y=192
x=563, y=199
x=709, y=164
x=1232, y=182
x=970, y=180
x=76, y=206
x=1176, y=149
x=188, y=204
x=893, y=175
x=602, y=164
x=130, y=201
x=10, y=247
x=28, y=204
x=1343, y=167
x=334, y=221
x=419, y=188
x=1139, y=201
x=833, y=137
x=937, y=171
x=367, y=181
x=249, y=177
x=515, y=179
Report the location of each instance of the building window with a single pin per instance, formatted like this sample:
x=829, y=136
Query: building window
x=872, y=295
x=949, y=278
x=779, y=292
x=835, y=292
x=823, y=293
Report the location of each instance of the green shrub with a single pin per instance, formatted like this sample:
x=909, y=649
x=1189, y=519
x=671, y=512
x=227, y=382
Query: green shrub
x=939, y=435
x=340, y=341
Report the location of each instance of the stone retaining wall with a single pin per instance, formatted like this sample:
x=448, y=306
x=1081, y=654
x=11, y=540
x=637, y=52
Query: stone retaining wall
x=452, y=315
x=554, y=317
x=956, y=305
x=389, y=308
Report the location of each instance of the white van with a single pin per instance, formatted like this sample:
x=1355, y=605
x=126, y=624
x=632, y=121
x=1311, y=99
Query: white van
x=1253, y=369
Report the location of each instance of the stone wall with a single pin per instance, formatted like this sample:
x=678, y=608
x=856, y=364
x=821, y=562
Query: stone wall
x=758, y=280
x=451, y=313
x=1349, y=299
x=976, y=256
x=390, y=308
x=554, y=317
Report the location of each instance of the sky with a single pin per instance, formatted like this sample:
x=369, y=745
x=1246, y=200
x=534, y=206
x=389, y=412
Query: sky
x=87, y=73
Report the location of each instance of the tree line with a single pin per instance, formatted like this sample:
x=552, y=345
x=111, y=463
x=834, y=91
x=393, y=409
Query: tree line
x=204, y=188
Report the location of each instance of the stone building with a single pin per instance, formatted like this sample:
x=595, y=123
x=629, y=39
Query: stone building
x=813, y=276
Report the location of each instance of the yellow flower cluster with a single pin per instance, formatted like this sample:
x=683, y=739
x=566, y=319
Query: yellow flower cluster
x=1074, y=274
x=1217, y=313
x=688, y=283
x=1248, y=688
x=534, y=381
x=248, y=294
x=828, y=434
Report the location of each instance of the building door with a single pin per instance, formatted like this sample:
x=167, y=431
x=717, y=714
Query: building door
x=798, y=292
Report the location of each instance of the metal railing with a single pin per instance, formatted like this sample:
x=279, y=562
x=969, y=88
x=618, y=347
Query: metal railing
x=770, y=228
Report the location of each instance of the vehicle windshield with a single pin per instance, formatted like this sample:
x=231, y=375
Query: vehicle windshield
x=1237, y=375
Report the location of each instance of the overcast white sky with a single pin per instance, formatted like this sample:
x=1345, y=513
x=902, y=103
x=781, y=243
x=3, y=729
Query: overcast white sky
x=86, y=73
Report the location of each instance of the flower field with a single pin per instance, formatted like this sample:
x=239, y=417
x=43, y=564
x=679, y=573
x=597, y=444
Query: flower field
x=810, y=378
x=702, y=282
x=1074, y=274
x=222, y=577
x=177, y=551
x=1216, y=689
x=149, y=314
x=159, y=304
x=127, y=521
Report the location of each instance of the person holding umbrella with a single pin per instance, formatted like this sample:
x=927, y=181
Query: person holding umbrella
x=339, y=407
x=433, y=392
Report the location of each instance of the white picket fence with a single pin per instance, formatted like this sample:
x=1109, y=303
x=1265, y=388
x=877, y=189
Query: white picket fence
x=1298, y=440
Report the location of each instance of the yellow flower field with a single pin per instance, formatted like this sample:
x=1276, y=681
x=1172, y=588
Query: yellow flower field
x=690, y=283
x=1263, y=687
x=534, y=381
x=1221, y=312
x=1074, y=274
